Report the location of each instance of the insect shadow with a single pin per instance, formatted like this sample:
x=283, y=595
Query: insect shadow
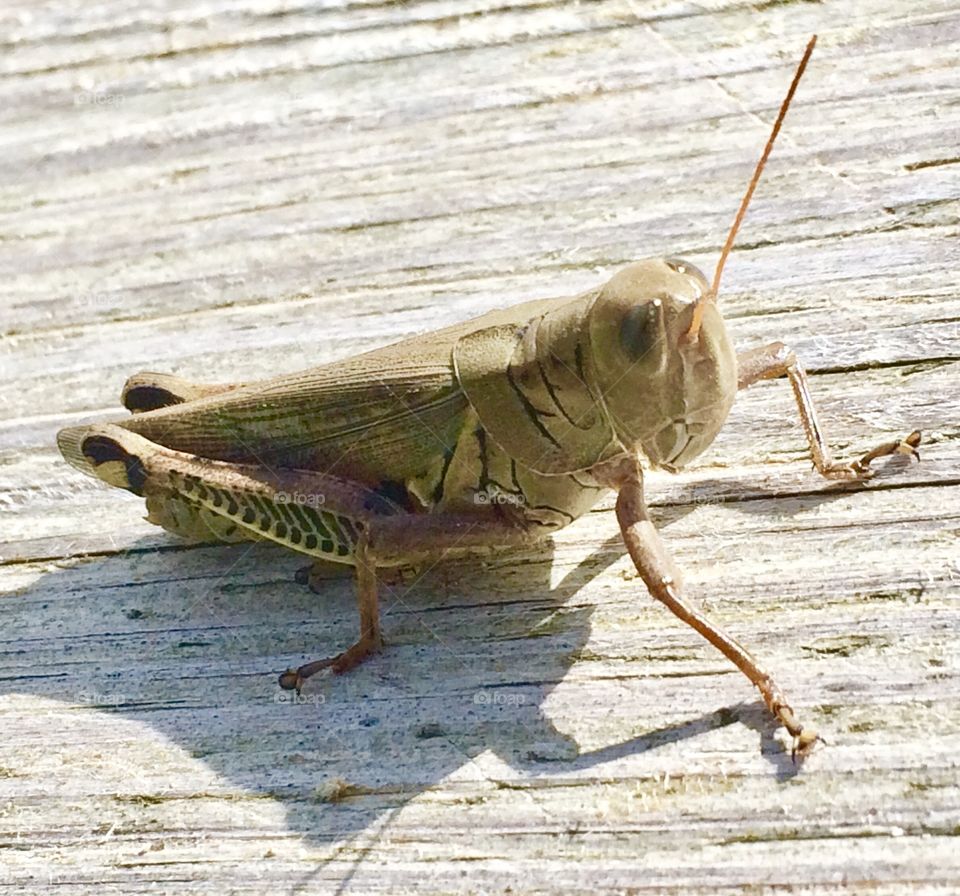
x=188, y=641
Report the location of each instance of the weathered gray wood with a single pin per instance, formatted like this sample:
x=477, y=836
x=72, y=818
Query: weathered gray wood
x=232, y=189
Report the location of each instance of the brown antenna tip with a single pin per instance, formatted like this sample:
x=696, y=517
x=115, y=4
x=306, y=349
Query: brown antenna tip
x=745, y=202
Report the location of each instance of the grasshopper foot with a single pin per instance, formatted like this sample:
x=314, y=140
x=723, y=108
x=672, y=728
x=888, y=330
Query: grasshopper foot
x=804, y=738
x=293, y=679
x=318, y=575
x=398, y=576
x=803, y=744
x=860, y=469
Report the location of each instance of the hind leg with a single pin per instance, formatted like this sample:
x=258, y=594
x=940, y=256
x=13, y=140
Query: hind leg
x=189, y=520
x=322, y=516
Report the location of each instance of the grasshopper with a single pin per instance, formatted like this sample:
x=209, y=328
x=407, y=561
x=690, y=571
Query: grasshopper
x=390, y=458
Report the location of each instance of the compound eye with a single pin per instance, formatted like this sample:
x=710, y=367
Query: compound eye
x=641, y=329
x=684, y=267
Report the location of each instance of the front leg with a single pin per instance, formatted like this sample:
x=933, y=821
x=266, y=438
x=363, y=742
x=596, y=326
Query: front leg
x=776, y=360
x=657, y=571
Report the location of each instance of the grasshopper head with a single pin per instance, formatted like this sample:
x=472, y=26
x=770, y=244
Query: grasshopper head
x=667, y=391
x=665, y=368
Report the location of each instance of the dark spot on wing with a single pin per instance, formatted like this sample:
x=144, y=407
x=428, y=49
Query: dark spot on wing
x=149, y=398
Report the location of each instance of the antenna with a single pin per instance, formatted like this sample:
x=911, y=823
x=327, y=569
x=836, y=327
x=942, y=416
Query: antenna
x=711, y=296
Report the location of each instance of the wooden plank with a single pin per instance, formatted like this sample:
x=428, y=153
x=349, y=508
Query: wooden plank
x=231, y=190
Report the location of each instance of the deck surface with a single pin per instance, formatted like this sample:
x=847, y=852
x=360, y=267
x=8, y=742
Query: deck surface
x=230, y=190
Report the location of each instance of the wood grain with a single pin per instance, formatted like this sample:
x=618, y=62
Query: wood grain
x=226, y=190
